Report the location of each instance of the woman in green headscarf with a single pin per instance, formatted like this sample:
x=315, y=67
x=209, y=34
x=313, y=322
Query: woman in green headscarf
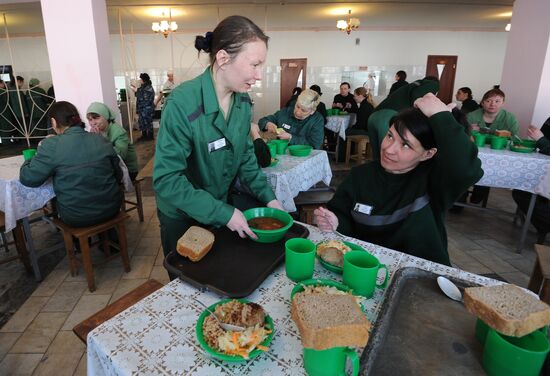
x=102, y=121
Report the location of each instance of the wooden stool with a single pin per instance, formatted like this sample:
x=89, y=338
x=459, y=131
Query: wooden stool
x=362, y=142
x=540, y=279
x=18, y=240
x=81, y=330
x=83, y=233
x=134, y=205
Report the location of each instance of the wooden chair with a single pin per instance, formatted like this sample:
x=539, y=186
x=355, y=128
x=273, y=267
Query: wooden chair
x=82, y=234
x=540, y=278
x=128, y=205
x=362, y=143
x=18, y=241
x=309, y=200
x=82, y=329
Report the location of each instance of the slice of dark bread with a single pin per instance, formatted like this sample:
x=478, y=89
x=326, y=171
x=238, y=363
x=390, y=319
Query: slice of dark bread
x=327, y=320
x=507, y=309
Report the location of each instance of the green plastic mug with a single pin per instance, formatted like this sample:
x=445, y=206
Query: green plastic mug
x=281, y=145
x=28, y=154
x=330, y=362
x=482, y=329
x=361, y=271
x=498, y=143
x=515, y=356
x=480, y=139
x=272, y=149
x=299, y=259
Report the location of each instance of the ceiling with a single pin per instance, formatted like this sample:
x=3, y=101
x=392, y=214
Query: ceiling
x=24, y=18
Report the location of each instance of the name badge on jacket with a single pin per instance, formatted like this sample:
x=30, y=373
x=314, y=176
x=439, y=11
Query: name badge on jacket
x=286, y=126
x=216, y=145
x=363, y=208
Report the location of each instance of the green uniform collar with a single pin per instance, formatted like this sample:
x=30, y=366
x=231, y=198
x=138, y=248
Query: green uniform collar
x=74, y=129
x=209, y=98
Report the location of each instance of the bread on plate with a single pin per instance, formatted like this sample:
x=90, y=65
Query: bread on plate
x=195, y=243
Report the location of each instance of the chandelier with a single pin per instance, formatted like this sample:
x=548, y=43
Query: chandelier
x=351, y=24
x=165, y=27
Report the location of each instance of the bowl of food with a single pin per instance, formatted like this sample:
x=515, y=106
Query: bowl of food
x=331, y=253
x=300, y=150
x=320, y=286
x=269, y=224
x=518, y=148
x=235, y=346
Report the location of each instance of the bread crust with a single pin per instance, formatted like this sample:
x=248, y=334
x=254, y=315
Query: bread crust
x=534, y=313
x=185, y=247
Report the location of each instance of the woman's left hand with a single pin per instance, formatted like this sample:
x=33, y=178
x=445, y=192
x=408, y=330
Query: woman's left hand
x=430, y=105
x=275, y=204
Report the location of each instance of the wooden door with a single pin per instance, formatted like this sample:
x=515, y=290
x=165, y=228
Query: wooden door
x=293, y=74
x=444, y=68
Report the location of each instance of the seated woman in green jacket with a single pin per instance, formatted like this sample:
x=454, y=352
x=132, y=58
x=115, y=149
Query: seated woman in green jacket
x=102, y=121
x=491, y=114
x=399, y=201
x=84, y=168
x=301, y=124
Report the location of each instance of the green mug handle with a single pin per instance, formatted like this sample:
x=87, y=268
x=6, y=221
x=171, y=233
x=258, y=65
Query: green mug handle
x=383, y=285
x=352, y=355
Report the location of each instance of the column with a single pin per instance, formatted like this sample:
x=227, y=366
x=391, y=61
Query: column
x=526, y=70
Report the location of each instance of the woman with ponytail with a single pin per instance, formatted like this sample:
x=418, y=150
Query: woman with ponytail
x=84, y=168
x=203, y=142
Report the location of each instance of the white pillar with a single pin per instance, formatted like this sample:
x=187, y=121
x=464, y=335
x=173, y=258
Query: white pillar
x=79, y=49
x=526, y=70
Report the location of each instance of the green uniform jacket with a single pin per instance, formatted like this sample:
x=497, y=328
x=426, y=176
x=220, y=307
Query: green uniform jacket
x=408, y=210
x=193, y=168
x=309, y=131
x=504, y=121
x=85, y=171
x=120, y=141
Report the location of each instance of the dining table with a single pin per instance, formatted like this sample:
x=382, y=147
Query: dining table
x=292, y=175
x=528, y=172
x=156, y=336
x=339, y=124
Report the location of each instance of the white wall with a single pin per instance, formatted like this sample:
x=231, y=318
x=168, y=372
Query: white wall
x=331, y=56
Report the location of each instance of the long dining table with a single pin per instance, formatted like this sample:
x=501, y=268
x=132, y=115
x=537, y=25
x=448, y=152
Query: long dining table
x=156, y=336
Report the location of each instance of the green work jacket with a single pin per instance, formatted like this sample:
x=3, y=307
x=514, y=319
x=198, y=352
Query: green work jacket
x=309, y=131
x=504, y=121
x=86, y=174
x=199, y=153
x=123, y=147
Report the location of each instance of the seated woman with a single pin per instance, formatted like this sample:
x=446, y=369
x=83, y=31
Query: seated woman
x=366, y=107
x=102, y=121
x=491, y=114
x=300, y=124
x=400, y=200
x=84, y=168
x=464, y=95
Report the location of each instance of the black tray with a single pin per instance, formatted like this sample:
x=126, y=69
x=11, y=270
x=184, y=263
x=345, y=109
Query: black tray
x=420, y=331
x=234, y=267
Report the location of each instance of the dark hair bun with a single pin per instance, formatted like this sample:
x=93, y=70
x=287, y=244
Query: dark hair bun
x=204, y=43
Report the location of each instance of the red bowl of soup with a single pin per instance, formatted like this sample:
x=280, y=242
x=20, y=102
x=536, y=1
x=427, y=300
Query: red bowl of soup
x=269, y=224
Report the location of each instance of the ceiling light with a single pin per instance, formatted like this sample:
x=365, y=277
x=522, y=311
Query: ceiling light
x=164, y=26
x=351, y=24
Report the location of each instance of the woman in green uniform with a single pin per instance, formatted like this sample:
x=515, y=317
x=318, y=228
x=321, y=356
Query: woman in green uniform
x=102, y=121
x=491, y=114
x=400, y=200
x=203, y=142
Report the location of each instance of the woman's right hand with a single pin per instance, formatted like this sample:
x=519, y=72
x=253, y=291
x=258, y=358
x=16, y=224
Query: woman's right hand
x=535, y=133
x=271, y=127
x=325, y=219
x=238, y=223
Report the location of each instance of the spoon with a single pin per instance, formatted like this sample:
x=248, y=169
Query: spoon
x=518, y=138
x=449, y=289
x=224, y=326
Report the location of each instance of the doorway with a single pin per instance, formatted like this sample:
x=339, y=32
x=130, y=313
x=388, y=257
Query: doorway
x=293, y=74
x=444, y=68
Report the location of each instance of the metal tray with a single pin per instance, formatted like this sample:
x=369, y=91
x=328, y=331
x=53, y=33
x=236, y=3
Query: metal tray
x=234, y=267
x=420, y=331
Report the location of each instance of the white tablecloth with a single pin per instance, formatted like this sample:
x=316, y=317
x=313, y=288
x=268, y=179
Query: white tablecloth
x=16, y=200
x=507, y=169
x=339, y=124
x=156, y=336
x=293, y=175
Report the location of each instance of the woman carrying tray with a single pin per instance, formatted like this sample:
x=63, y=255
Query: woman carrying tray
x=426, y=162
x=203, y=143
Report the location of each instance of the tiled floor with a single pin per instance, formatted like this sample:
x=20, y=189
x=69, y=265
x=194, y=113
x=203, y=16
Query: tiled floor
x=38, y=339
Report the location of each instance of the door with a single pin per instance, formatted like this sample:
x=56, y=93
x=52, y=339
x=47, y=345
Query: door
x=444, y=68
x=293, y=74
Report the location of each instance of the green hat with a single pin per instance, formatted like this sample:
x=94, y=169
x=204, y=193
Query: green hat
x=405, y=96
x=34, y=82
x=101, y=109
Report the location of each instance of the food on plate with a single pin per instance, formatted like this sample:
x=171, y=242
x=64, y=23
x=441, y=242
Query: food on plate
x=502, y=133
x=329, y=320
x=195, y=243
x=248, y=315
x=321, y=289
x=266, y=223
x=507, y=309
x=522, y=147
x=333, y=251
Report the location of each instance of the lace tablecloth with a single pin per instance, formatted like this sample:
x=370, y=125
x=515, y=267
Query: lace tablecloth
x=156, y=336
x=338, y=124
x=16, y=200
x=507, y=169
x=293, y=175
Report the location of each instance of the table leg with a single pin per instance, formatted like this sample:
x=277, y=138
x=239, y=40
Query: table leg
x=30, y=248
x=527, y=222
x=337, y=148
